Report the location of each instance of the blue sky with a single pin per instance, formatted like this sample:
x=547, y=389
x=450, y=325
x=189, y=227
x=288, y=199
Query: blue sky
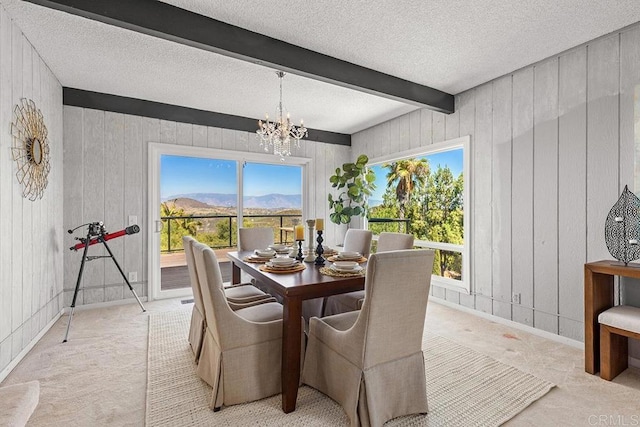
x=184, y=175
x=451, y=158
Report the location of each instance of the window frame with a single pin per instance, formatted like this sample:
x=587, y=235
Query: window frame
x=464, y=284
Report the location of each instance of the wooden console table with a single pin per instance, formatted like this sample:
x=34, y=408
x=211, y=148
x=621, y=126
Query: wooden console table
x=598, y=296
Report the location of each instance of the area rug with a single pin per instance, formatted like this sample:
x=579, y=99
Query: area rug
x=465, y=388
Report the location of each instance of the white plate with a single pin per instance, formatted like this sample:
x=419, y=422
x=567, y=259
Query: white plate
x=346, y=270
x=279, y=248
x=348, y=255
x=284, y=262
x=264, y=253
x=347, y=265
x=282, y=267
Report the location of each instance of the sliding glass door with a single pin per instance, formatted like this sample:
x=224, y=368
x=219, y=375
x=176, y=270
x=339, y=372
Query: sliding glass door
x=206, y=194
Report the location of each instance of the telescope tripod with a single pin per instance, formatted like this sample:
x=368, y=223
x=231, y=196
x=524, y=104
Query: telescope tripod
x=100, y=239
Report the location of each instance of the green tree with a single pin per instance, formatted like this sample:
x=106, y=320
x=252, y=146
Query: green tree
x=442, y=208
x=407, y=176
x=179, y=223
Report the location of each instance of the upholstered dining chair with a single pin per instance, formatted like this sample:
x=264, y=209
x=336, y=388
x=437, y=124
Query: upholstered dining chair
x=241, y=351
x=370, y=361
x=239, y=295
x=250, y=238
x=196, y=330
x=355, y=240
x=245, y=296
x=353, y=300
x=358, y=240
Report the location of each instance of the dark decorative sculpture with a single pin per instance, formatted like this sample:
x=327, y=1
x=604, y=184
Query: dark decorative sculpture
x=622, y=228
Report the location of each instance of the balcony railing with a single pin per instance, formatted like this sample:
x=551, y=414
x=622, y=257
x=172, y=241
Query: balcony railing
x=393, y=221
x=280, y=226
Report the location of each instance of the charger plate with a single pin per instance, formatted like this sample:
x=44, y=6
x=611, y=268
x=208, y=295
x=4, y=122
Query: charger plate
x=335, y=258
x=294, y=269
x=257, y=260
x=328, y=271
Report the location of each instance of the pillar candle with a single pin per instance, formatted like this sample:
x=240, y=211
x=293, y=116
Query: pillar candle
x=299, y=232
x=319, y=224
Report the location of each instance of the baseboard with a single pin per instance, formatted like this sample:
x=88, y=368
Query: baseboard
x=510, y=323
x=634, y=362
x=7, y=370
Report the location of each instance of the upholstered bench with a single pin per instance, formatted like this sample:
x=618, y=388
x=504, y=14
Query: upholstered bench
x=616, y=325
x=17, y=403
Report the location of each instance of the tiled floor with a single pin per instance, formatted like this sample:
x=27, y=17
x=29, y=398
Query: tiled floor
x=99, y=376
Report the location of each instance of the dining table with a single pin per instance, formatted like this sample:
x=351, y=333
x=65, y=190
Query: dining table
x=294, y=288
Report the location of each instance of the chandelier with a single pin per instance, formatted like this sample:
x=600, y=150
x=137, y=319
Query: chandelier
x=281, y=133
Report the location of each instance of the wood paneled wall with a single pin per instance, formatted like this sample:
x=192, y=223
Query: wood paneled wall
x=106, y=156
x=31, y=233
x=552, y=147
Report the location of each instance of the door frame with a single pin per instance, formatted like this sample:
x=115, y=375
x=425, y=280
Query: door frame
x=156, y=150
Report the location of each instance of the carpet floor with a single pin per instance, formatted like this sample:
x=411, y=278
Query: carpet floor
x=464, y=388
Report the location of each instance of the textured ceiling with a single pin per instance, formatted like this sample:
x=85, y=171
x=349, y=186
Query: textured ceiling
x=448, y=45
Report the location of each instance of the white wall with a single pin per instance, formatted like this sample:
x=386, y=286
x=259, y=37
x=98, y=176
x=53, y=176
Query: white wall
x=552, y=148
x=31, y=233
x=106, y=180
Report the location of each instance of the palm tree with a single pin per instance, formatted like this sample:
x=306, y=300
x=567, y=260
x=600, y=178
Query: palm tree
x=408, y=176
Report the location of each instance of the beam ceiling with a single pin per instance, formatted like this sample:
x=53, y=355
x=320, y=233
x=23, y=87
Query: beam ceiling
x=168, y=22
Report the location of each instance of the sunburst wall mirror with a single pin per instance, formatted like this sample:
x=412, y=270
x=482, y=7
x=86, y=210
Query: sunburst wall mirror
x=30, y=149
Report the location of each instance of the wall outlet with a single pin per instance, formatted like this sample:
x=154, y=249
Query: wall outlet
x=133, y=276
x=133, y=219
x=515, y=298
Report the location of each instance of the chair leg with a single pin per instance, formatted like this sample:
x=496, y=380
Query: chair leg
x=613, y=353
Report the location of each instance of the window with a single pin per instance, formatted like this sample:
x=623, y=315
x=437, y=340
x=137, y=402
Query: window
x=423, y=192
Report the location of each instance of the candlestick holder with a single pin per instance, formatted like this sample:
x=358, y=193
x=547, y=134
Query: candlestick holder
x=300, y=257
x=319, y=249
x=311, y=223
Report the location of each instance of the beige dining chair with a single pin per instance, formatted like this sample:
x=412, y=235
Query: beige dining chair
x=355, y=240
x=241, y=351
x=353, y=300
x=197, y=328
x=251, y=238
x=358, y=240
x=370, y=361
x=240, y=296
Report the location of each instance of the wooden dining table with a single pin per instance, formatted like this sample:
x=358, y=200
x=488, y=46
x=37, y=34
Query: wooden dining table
x=294, y=288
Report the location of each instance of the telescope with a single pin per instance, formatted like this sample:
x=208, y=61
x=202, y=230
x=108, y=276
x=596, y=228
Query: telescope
x=97, y=233
x=102, y=235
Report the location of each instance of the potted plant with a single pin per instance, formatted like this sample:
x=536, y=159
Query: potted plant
x=357, y=180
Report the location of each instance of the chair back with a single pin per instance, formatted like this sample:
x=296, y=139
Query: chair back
x=358, y=240
x=395, y=304
x=187, y=243
x=394, y=241
x=254, y=238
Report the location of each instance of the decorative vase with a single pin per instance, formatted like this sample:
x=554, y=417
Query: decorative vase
x=621, y=229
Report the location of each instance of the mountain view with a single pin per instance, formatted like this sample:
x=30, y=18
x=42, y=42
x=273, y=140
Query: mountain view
x=269, y=201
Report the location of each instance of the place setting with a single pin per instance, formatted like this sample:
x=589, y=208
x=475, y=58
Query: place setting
x=281, y=265
x=260, y=256
x=343, y=269
x=347, y=256
x=281, y=249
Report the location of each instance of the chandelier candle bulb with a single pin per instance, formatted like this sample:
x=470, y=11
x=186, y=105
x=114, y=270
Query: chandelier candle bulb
x=299, y=232
x=320, y=224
